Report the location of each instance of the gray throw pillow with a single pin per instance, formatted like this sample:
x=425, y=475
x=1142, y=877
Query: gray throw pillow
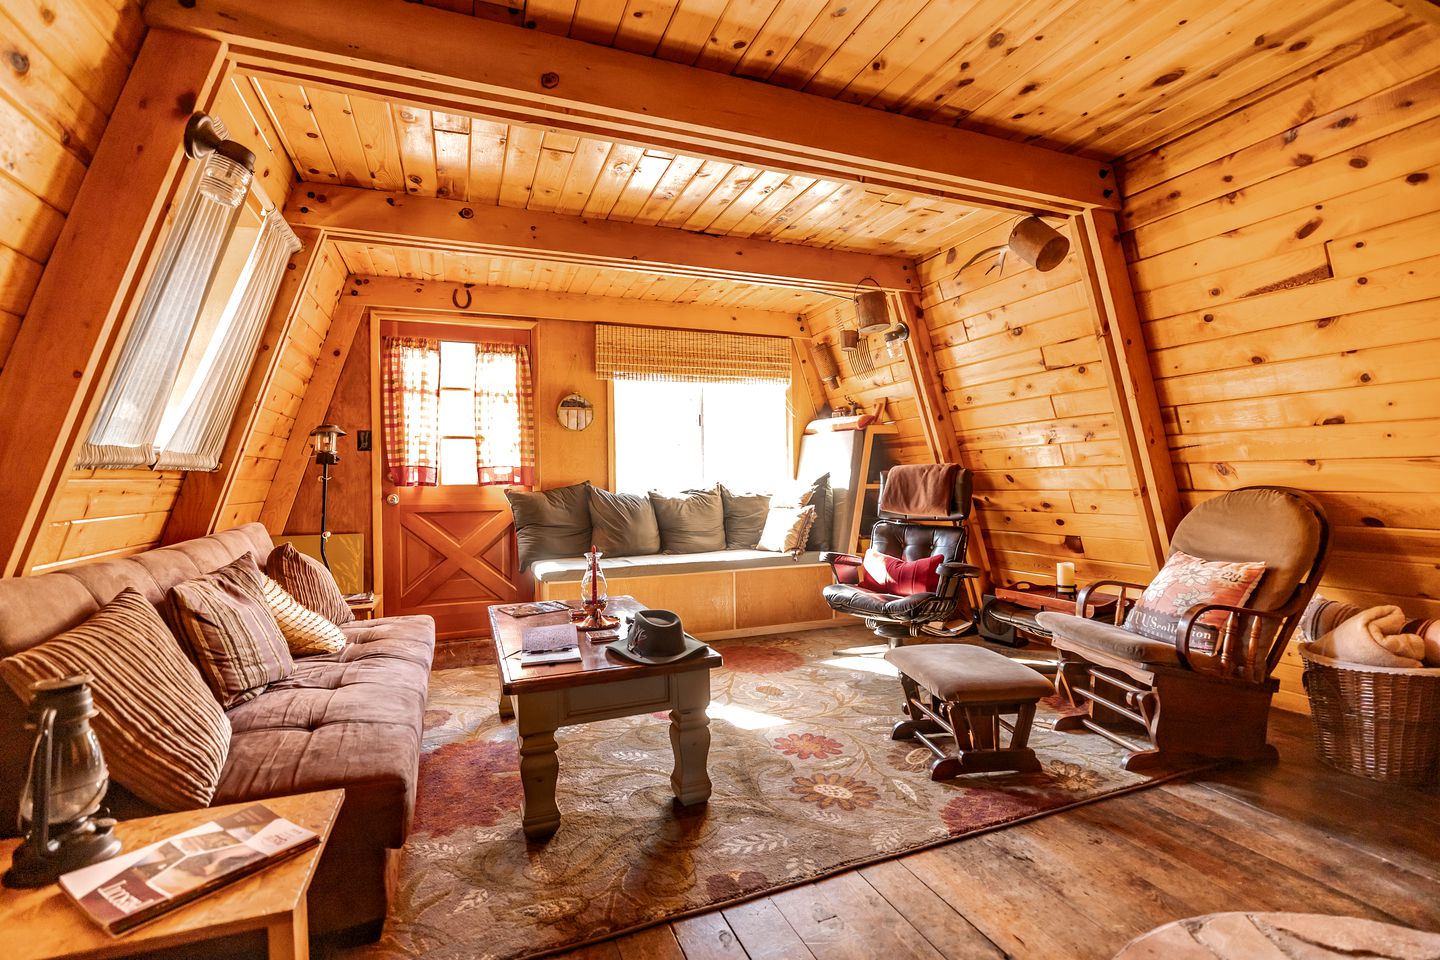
x=822, y=498
x=623, y=524
x=551, y=523
x=690, y=523
x=745, y=515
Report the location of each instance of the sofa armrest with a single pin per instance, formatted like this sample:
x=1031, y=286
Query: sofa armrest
x=1082, y=602
x=955, y=569
x=1251, y=664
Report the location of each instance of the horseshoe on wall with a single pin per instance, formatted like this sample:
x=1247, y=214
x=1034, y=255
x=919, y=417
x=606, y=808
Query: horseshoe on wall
x=455, y=299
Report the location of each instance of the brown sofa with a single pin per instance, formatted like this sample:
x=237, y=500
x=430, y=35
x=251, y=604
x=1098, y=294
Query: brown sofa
x=350, y=720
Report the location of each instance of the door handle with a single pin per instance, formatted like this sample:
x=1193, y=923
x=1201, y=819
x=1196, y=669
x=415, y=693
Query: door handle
x=393, y=499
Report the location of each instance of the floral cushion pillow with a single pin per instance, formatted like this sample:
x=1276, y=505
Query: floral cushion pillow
x=1181, y=584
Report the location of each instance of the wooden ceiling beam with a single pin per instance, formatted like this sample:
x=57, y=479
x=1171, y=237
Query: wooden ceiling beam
x=407, y=52
x=466, y=299
x=355, y=213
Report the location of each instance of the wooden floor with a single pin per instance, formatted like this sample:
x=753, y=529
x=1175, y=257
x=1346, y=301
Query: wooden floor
x=1080, y=884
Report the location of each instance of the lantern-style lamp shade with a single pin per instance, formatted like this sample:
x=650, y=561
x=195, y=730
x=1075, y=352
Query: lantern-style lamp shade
x=326, y=440
x=64, y=788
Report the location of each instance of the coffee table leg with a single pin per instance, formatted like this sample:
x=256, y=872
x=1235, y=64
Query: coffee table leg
x=289, y=937
x=507, y=708
x=690, y=736
x=537, y=716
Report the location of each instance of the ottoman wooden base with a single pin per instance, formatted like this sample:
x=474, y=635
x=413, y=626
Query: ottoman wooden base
x=965, y=693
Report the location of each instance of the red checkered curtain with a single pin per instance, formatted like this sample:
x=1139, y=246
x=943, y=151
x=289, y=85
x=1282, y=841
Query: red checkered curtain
x=411, y=394
x=504, y=415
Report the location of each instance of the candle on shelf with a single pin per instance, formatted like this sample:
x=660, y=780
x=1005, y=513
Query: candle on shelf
x=1065, y=577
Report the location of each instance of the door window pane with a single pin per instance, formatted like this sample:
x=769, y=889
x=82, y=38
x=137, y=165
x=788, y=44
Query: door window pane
x=457, y=461
x=457, y=413
x=457, y=365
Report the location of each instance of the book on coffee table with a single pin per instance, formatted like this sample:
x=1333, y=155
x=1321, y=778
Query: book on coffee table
x=123, y=892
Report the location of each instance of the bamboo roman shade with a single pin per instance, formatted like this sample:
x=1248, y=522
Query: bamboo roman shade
x=689, y=356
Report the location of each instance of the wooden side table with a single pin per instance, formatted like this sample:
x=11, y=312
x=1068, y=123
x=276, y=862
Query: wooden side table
x=44, y=924
x=365, y=608
x=1016, y=607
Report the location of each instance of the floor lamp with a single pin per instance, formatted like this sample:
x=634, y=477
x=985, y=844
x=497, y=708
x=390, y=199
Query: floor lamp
x=326, y=441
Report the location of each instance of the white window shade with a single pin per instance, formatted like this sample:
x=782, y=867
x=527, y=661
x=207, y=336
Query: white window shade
x=199, y=438
x=124, y=430
x=689, y=356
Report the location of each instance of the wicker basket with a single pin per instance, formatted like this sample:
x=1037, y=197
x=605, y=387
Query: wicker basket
x=1377, y=722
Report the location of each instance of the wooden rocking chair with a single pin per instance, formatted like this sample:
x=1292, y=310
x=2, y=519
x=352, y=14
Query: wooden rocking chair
x=1191, y=702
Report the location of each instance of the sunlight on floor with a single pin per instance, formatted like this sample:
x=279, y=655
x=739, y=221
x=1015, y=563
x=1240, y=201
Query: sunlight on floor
x=743, y=718
x=870, y=664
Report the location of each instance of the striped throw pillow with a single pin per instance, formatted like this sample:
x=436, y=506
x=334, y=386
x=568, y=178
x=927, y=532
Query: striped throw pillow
x=164, y=737
x=305, y=630
x=307, y=580
x=223, y=620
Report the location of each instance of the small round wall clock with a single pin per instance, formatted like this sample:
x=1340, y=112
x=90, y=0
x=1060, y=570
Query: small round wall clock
x=575, y=412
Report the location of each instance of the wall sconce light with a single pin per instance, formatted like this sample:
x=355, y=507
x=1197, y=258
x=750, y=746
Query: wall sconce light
x=896, y=338
x=326, y=440
x=64, y=788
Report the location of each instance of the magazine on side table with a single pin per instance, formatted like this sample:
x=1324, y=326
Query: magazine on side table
x=126, y=891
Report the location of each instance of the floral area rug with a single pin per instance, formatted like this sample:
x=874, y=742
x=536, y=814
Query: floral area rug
x=806, y=782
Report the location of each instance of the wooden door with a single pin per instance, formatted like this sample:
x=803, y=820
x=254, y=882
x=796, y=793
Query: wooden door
x=449, y=549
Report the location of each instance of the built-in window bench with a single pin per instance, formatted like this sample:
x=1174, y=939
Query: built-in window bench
x=721, y=594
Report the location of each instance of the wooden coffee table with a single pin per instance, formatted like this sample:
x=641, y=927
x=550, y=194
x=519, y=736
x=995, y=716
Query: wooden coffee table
x=600, y=686
x=43, y=924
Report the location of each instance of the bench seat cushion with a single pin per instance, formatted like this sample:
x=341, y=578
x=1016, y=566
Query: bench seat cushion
x=964, y=673
x=570, y=569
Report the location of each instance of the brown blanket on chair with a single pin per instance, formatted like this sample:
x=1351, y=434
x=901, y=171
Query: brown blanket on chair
x=920, y=489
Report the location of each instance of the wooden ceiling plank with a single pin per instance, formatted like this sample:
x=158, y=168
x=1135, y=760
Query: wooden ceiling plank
x=452, y=165
x=585, y=166
x=1143, y=89
x=999, y=67
x=522, y=156
x=642, y=183
x=416, y=53
x=377, y=141
x=835, y=21
x=759, y=189
x=551, y=172
x=859, y=49
x=706, y=179
x=922, y=47
x=789, y=22
x=1327, y=43
x=1027, y=22
x=416, y=141
x=643, y=24
x=619, y=165
x=691, y=25
x=735, y=182
x=289, y=110
x=550, y=16
x=733, y=34
x=336, y=126
x=677, y=177
x=595, y=21
x=782, y=196
x=798, y=208
x=487, y=161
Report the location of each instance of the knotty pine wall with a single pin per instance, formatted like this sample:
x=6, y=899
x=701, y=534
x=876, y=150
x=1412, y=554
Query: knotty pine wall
x=1287, y=264
x=1020, y=361
x=264, y=446
x=100, y=514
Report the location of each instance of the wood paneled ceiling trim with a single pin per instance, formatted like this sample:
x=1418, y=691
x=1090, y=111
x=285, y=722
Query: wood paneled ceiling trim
x=429, y=56
x=358, y=214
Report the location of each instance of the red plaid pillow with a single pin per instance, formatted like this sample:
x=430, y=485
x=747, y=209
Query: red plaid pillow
x=886, y=574
x=1185, y=581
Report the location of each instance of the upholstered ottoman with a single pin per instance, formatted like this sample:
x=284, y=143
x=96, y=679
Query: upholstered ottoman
x=965, y=692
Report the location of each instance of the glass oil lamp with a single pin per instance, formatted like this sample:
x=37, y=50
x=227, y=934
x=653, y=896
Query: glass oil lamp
x=594, y=596
x=64, y=788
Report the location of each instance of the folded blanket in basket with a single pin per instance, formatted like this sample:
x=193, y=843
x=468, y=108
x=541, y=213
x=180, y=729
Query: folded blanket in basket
x=1375, y=638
